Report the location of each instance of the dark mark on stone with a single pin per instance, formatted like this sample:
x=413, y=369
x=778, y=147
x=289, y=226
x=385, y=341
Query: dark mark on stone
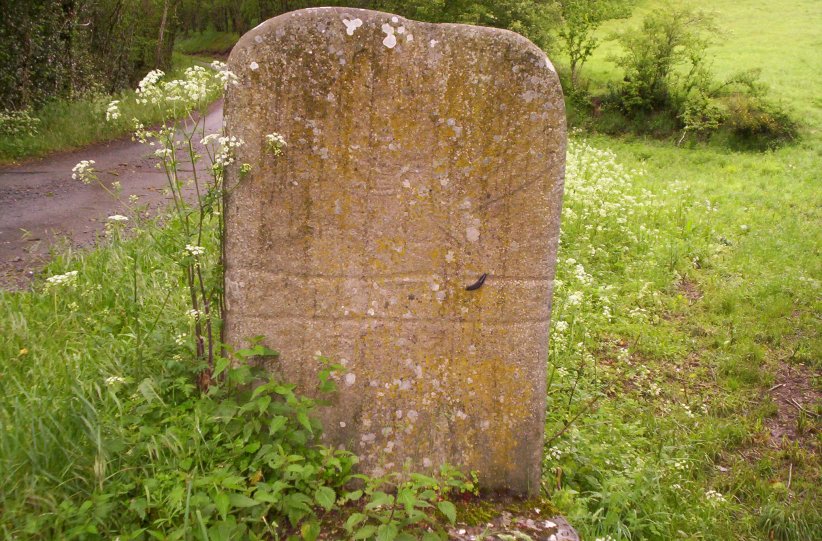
x=478, y=284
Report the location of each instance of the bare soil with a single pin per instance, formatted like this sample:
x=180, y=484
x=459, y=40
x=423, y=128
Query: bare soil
x=41, y=205
x=796, y=394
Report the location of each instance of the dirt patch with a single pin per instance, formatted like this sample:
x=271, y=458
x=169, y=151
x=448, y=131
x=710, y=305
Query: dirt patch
x=690, y=290
x=798, y=401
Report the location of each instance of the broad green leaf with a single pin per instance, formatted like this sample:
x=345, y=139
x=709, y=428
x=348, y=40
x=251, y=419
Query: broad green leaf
x=310, y=531
x=325, y=497
x=239, y=500
x=449, y=510
x=353, y=520
x=222, y=502
x=387, y=532
x=365, y=532
x=302, y=417
x=220, y=364
x=276, y=424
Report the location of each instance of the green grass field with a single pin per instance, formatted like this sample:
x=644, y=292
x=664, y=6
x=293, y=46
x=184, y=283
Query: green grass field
x=731, y=309
x=687, y=308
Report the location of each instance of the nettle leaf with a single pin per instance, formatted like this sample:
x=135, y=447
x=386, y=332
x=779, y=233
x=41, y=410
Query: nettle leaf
x=365, y=532
x=303, y=419
x=407, y=498
x=353, y=520
x=449, y=510
x=387, y=532
x=277, y=423
x=240, y=500
x=325, y=497
x=353, y=496
x=223, y=503
x=378, y=499
x=310, y=531
x=220, y=364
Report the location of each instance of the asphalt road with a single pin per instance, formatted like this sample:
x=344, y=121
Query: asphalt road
x=41, y=206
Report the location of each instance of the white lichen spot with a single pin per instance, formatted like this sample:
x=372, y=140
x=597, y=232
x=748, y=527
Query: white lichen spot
x=440, y=296
x=368, y=438
x=351, y=26
x=254, y=66
x=401, y=30
x=258, y=39
x=398, y=414
x=412, y=416
x=426, y=462
x=485, y=425
x=472, y=234
x=350, y=379
x=409, y=37
x=406, y=183
x=342, y=424
x=395, y=20
x=449, y=257
x=435, y=286
x=337, y=207
x=462, y=415
x=371, y=312
x=390, y=41
x=433, y=43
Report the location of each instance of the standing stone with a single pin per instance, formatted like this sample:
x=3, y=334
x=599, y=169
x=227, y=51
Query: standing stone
x=420, y=157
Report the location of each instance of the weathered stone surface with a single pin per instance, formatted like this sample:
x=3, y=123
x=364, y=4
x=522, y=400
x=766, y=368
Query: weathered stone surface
x=419, y=158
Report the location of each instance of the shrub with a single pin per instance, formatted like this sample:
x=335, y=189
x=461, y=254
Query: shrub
x=755, y=121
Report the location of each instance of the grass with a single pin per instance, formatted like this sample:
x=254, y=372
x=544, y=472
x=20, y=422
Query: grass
x=209, y=42
x=690, y=280
x=67, y=125
x=706, y=313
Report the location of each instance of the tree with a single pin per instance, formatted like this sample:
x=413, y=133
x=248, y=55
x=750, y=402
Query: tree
x=663, y=56
x=580, y=19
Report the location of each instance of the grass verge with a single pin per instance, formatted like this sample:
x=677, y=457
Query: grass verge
x=66, y=125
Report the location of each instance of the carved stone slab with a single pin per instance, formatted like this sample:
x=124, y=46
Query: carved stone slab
x=420, y=158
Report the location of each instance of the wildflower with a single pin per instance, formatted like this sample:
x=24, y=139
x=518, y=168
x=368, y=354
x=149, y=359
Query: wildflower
x=114, y=380
x=66, y=279
x=561, y=326
x=714, y=497
x=210, y=138
x=195, y=250
x=245, y=168
x=84, y=172
x=113, y=111
x=193, y=314
x=181, y=339
x=276, y=143
x=225, y=155
x=575, y=298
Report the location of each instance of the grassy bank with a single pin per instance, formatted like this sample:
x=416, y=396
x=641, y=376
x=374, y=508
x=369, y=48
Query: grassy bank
x=711, y=320
x=67, y=125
